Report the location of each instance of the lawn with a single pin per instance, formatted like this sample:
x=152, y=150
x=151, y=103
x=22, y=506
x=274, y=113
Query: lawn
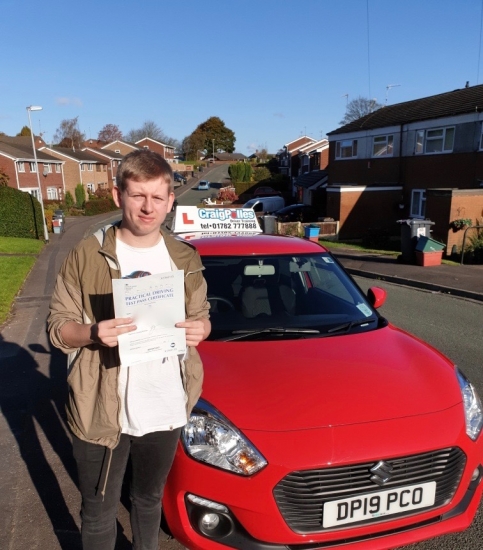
x=17, y=259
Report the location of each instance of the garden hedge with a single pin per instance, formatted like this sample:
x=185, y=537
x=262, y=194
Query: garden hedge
x=20, y=214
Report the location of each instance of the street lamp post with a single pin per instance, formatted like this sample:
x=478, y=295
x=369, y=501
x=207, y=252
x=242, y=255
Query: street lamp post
x=213, y=149
x=37, y=108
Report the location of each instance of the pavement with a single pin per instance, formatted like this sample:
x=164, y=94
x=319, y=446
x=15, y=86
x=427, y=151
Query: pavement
x=39, y=501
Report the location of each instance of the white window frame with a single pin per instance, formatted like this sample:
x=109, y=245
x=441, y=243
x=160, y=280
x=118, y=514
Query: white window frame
x=90, y=167
x=21, y=166
x=384, y=145
x=91, y=188
x=58, y=168
x=346, y=149
x=47, y=168
x=52, y=193
x=418, y=203
x=82, y=167
x=32, y=167
x=427, y=139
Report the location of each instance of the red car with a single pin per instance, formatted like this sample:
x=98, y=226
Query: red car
x=321, y=425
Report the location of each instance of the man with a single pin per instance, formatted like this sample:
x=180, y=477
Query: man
x=114, y=411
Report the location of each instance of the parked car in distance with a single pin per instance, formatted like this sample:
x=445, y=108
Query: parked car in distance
x=265, y=204
x=179, y=178
x=203, y=185
x=296, y=213
x=265, y=191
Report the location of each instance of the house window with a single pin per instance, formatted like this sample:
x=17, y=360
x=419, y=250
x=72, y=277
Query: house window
x=346, y=149
x=52, y=194
x=418, y=203
x=90, y=167
x=98, y=167
x=382, y=146
x=47, y=169
x=21, y=166
x=82, y=167
x=90, y=188
x=35, y=193
x=438, y=140
x=32, y=167
x=57, y=168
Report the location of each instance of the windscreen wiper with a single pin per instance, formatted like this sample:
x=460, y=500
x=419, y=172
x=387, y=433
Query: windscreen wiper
x=239, y=334
x=346, y=327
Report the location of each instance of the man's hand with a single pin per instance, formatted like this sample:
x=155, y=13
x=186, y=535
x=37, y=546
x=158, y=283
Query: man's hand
x=196, y=331
x=104, y=333
x=107, y=332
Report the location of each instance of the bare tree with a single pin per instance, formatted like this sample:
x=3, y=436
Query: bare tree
x=359, y=107
x=110, y=132
x=68, y=134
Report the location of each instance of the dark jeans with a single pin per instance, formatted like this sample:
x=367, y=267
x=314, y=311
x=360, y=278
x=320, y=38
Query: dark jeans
x=151, y=459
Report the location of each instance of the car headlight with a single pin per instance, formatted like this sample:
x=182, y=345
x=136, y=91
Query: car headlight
x=472, y=405
x=210, y=437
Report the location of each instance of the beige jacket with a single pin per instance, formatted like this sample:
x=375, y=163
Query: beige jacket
x=83, y=293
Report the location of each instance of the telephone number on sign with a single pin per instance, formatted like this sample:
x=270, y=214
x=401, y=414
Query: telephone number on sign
x=229, y=226
x=376, y=505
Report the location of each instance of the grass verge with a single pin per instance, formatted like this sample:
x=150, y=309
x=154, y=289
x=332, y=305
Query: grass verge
x=15, y=268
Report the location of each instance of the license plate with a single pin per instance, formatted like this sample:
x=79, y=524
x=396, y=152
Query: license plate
x=376, y=505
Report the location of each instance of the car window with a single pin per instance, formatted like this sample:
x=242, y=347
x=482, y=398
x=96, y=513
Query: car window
x=290, y=292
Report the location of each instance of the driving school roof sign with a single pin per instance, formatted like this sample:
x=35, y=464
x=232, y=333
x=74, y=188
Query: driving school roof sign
x=190, y=219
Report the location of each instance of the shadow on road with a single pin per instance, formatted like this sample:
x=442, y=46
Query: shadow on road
x=33, y=404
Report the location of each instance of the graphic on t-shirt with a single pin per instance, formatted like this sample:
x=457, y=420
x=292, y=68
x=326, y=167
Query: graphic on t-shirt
x=137, y=274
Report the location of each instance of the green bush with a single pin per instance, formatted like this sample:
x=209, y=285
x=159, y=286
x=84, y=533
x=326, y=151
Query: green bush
x=80, y=195
x=20, y=214
x=99, y=206
x=69, y=200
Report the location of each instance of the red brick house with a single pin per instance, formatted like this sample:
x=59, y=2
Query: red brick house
x=288, y=158
x=111, y=158
x=166, y=151
x=17, y=161
x=418, y=159
x=81, y=167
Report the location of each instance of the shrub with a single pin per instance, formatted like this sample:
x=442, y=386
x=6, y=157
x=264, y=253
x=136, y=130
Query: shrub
x=80, y=195
x=20, y=214
x=69, y=200
x=227, y=194
x=99, y=206
x=261, y=173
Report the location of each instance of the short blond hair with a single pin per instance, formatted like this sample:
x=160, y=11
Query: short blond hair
x=142, y=165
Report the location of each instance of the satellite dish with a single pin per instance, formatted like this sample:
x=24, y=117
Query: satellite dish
x=45, y=173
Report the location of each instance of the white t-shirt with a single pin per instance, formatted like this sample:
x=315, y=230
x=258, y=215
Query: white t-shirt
x=152, y=394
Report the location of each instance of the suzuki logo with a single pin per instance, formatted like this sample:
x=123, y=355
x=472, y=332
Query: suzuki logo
x=382, y=473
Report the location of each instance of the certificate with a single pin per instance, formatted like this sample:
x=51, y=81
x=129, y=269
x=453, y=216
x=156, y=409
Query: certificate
x=155, y=303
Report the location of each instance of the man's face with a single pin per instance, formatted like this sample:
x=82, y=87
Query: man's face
x=144, y=205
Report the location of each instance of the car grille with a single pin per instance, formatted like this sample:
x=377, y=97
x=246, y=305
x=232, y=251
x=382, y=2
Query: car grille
x=301, y=495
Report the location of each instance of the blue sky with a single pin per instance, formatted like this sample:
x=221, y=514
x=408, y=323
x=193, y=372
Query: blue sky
x=272, y=70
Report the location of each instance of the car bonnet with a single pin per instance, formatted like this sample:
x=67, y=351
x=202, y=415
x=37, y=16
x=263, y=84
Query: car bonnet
x=286, y=385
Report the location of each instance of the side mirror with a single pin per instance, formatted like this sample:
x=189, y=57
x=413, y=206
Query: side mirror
x=376, y=296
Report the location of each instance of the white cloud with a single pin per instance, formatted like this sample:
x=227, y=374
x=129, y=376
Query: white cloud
x=69, y=101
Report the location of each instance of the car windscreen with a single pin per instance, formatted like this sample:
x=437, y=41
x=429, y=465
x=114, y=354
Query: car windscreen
x=266, y=297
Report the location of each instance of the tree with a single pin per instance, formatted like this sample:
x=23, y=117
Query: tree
x=359, y=107
x=80, y=195
x=261, y=173
x=212, y=129
x=69, y=135
x=191, y=145
x=25, y=131
x=110, y=132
